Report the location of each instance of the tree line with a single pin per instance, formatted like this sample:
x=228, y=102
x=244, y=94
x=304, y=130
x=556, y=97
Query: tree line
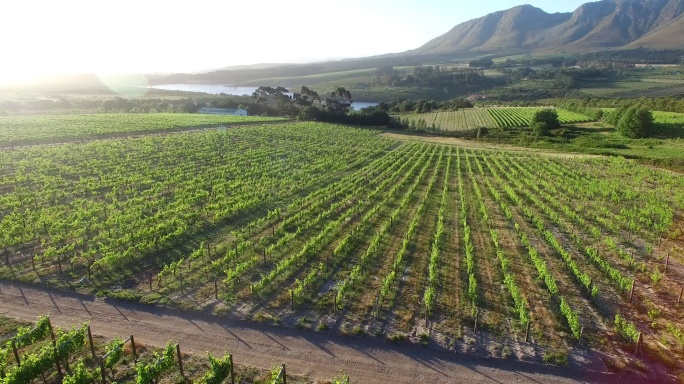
x=308, y=105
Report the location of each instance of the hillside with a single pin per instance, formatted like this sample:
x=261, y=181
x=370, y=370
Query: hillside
x=593, y=26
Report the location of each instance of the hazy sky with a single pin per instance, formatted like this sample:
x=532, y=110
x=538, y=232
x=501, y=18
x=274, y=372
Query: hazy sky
x=39, y=37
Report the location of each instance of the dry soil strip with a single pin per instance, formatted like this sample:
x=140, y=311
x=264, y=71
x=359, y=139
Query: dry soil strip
x=318, y=355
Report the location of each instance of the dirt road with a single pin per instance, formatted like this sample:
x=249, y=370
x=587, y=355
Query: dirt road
x=317, y=355
x=482, y=145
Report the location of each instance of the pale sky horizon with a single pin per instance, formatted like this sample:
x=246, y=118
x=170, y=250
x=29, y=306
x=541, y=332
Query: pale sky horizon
x=42, y=37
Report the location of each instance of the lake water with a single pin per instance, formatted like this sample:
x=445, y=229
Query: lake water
x=235, y=91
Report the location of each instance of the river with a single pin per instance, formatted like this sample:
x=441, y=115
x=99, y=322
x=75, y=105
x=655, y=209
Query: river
x=235, y=91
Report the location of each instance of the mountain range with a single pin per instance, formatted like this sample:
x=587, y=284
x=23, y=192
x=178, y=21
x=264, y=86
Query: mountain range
x=606, y=25
x=595, y=26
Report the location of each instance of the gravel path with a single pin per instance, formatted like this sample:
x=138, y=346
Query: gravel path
x=314, y=354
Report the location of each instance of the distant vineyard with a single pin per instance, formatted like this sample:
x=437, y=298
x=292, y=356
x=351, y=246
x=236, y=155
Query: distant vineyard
x=520, y=117
x=469, y=119
x=464, y=119
x=16, y=130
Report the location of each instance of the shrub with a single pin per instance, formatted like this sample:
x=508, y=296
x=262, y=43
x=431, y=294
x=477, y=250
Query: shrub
x=544, y=120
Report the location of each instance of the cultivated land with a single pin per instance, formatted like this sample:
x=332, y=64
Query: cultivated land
x=469, y=119
x=21, y=130
x=318, y=356
x=84, y=352
x=326, y=227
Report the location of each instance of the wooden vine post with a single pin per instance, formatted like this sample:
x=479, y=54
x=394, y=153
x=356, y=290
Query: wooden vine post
x=16, y=353
x=477, y=312
x=90, y=340
x=427, y=316
x=638, y=347
x=283, y=372
x=631, y=291
x=527, y=332
x=232, y=371
x=667, y=262
x=102, y=371
x=681, y=291
x=335, y=303
x=57, y=365
x=180, y=360
x=377, y=308
x=135, y=354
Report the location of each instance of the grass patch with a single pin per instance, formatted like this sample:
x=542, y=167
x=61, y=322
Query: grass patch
x=9, y=326
x=397, y=338
x=554, y=357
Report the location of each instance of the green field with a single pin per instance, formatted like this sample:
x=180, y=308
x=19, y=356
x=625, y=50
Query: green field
x=469, y=119
x=18, y=130
x=286, y=221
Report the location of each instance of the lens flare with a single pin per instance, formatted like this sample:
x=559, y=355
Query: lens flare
x=133, y=85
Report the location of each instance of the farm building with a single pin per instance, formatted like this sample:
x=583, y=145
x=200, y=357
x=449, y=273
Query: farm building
x=223, y=111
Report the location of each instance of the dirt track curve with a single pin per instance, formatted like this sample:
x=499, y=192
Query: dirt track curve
x=317, y=355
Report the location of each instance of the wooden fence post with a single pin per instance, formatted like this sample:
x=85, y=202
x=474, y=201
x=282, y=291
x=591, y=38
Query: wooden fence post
x=135, y=354
x=90, y=339
x=232, y=371
x=180, y=360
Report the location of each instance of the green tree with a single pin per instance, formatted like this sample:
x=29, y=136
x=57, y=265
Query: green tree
x=339, y=102
x=543, y=121
x=614, y=116
x=276, y=98
x=306, y=97
x=636, y=122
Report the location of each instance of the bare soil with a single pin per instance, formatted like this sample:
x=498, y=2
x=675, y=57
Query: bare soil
x=319, y=355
